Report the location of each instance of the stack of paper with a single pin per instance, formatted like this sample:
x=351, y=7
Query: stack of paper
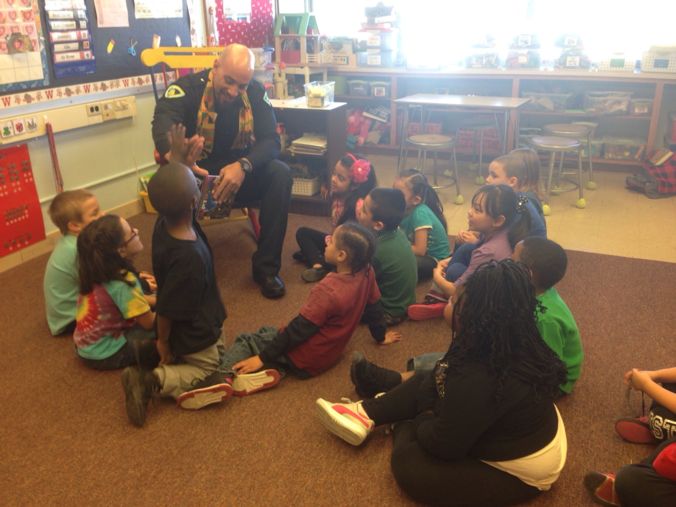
x=309, y=144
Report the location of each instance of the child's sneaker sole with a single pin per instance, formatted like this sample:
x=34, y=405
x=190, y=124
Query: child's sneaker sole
x=635, y=430
x=199, y=398
x=249, y=383
x=426, y=311
x=352, y=432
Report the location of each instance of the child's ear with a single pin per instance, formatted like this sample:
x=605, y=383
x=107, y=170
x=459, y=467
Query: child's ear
x=513, y=182
x=74, y=228
x=499, y=222
x=417, y=200
x=341, y=256
x=378, y=226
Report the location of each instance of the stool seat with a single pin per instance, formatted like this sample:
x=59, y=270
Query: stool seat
x=555, y=143
x=430, y=140
x=567, y=129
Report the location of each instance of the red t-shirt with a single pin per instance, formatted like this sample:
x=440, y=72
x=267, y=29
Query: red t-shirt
x=336, y=305
x=665, y=462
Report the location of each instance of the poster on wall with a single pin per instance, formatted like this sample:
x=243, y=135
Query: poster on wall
x=149, y=9
x=23, y=59
x=70, y=38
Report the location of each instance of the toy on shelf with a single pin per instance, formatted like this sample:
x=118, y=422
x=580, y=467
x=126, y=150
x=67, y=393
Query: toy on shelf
x=572, y=54
x=297, y=39
x=524, y=52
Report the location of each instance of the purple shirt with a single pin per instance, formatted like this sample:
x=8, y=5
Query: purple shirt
x=495, y=248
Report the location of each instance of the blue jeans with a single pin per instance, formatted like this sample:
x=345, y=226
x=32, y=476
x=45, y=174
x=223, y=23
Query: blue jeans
x=460, y=260
x=251, y=344
x=424, y=363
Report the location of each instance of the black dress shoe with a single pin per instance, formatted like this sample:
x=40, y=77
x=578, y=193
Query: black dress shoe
x=272, y=287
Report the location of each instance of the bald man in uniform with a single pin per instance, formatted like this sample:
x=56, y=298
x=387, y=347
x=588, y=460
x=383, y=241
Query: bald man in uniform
x=232, y=115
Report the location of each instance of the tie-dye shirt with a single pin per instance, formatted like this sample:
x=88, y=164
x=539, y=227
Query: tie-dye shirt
x=105, y=314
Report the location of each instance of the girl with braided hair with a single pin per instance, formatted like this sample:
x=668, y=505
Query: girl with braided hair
x=482, y=427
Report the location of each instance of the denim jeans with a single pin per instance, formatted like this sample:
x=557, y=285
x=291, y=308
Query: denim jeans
x=251, y=344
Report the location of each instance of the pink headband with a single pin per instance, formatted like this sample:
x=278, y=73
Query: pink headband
x=360, y=168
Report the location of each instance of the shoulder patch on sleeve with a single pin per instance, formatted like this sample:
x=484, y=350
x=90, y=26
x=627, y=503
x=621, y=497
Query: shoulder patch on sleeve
x=267, y=99
x=174, y=92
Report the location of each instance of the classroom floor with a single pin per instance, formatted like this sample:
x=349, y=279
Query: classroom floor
x=615, y=221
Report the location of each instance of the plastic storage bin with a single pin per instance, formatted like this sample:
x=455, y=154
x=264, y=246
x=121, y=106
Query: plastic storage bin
x=548, y=101
x=263, y=57
x=607, y=102
x=621, y=149
x=380, y=88
x=319, y=93
x=359, y=87
x=375, y=58
x=385, y=40
x=641, y=107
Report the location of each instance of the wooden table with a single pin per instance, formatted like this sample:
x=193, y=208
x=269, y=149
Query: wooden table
x=465, y=103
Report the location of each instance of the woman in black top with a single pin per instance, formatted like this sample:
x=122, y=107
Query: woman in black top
x=482, y=428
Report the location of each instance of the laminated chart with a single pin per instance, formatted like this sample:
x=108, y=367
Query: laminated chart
x=23, y=61
x=70, y=38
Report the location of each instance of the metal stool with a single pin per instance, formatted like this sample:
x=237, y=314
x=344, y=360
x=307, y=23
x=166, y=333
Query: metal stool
x=583, y=132
x=425, y=143
x=561, y=145
x=479, y=128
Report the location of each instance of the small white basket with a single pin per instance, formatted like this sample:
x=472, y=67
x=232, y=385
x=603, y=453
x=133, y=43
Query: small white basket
x=304, y=186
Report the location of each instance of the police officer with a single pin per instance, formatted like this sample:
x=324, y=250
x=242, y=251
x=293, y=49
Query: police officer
x=233, y=115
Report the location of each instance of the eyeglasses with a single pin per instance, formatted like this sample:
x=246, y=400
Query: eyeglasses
x=134, y=234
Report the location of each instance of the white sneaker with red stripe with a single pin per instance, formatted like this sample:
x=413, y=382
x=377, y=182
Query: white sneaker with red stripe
x=199, y=398
x=348, y=421
x=249, y=383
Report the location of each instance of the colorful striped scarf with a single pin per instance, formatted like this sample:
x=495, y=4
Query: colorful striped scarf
x=206, y=120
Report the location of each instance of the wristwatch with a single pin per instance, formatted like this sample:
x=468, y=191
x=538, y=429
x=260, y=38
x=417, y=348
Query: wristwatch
x=246, y=165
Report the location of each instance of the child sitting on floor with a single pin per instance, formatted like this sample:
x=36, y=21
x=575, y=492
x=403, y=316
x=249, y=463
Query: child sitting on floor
x=393, y=261
x=190, y=312
x=547, y=263
x=501, y=219
x=111, y=303
x=315, y=339
x=424, y=223
x=71, y=211
x=352, y=179
x=520, y=169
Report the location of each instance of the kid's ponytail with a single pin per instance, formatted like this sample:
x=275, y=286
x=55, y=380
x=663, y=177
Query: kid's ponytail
x=420, y=187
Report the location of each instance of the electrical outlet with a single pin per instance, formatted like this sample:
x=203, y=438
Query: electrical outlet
x=93, y=109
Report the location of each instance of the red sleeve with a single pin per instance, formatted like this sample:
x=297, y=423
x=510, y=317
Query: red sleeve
x=665, y=462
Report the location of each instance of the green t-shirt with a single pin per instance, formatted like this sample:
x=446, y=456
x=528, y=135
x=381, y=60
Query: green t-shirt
x=396, y=272
x=559, y=330
x=422, y=217
x=105, y=314
x=61, y=284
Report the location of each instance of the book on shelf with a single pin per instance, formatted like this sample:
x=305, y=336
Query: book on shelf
x=309, y=144
x=378, y=113
x=660, y=156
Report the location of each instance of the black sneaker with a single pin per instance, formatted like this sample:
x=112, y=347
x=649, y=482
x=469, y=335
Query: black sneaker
x=369, y=379
x=299, y=256
x=139, y=387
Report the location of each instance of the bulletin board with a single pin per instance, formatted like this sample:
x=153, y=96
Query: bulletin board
x=121, y=61
x=116, y=50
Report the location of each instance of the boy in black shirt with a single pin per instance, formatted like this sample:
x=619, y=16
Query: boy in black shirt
x=190, y=312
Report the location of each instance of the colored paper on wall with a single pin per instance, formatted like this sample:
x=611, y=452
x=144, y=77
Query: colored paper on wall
x=70, y=36
x=149, y=9
x=21, y=221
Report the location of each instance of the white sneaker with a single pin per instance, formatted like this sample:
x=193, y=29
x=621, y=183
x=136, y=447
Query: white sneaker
x=249, y=383
x=199, y=398
x=345, y=420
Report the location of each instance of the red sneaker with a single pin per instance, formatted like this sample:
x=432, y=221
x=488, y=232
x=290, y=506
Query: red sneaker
x=426, y=311
x=635, y=430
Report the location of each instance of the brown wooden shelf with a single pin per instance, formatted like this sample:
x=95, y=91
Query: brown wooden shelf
x=364, y=98
x=584, y=114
